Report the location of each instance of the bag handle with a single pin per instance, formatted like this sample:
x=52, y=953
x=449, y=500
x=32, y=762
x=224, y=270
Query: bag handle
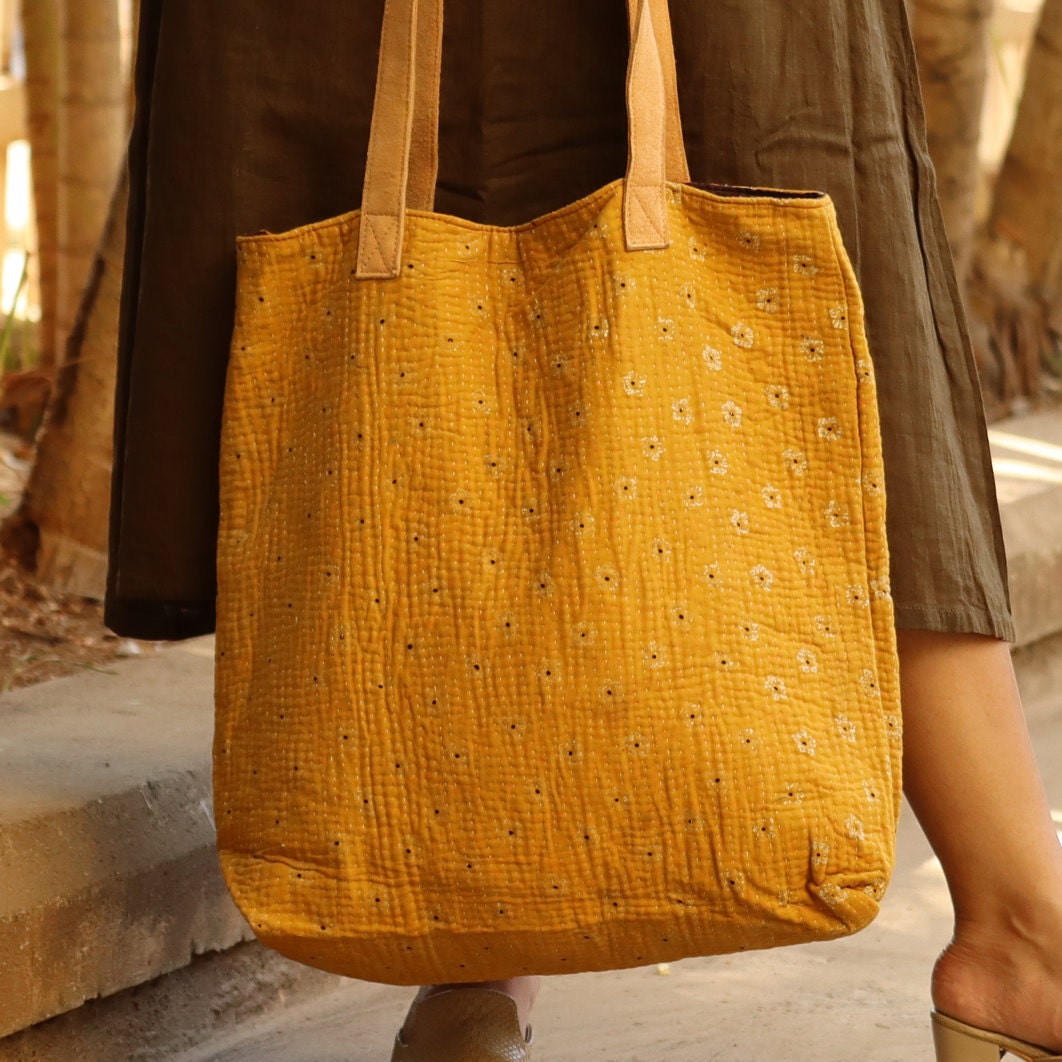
x=403, y=142
x=424, y=150
x=678, y=169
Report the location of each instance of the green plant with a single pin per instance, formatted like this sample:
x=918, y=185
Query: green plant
x=9, y=360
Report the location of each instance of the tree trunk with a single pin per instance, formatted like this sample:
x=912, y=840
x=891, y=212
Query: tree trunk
x=92, y=137
x=951, y=42
x=1027, y=204
x=134, y=27
x=1016, y=284
x=40, y=27
x=64, y=513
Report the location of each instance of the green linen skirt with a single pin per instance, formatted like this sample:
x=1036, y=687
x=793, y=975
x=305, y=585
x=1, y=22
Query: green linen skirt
x=254, y=114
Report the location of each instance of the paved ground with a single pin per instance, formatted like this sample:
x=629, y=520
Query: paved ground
x=864, y=999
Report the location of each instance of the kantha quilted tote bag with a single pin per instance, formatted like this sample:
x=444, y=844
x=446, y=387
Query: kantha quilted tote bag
x=554, y=627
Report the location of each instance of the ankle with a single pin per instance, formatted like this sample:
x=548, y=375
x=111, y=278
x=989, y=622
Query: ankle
x=1024, y=921
x=1004, y=974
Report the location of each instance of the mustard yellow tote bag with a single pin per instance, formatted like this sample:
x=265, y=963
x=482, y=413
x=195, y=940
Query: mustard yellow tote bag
x=554, y=618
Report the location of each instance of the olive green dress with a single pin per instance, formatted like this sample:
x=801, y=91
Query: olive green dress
x=254, y=114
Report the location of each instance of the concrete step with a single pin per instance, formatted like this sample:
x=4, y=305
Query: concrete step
x=106, y=834
x=1027, y=458
x=205, y=1000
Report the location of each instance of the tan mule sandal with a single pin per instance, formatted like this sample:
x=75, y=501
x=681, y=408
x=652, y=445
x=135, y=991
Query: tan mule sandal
x=463, y=1025
x=958, y=1042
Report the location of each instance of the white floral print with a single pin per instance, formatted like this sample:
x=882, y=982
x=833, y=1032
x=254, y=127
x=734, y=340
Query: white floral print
x=812, y=348
x=868, y=682
x=724, y=661
x=767, y=300
x=831, y=893
x=583, y=524
x=839, y=317
x=495, y=465
x=681, y=411
x=653, y=447
x=845, y=727
x=661, y=548
x=777, y=396
x=543, y=584
x=829, y=428
x=743, y=335
x=654, y=655
x=584, y=634
x=795, y=461
x=607, y=577
x=634, y=385
x=775, y=686
x=836, y=515
x=560, y=363
x=762, y=577
x=858, y=596
x=712, y=358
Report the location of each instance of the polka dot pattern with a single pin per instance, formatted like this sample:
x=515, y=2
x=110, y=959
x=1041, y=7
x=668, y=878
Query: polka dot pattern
x=554, y=630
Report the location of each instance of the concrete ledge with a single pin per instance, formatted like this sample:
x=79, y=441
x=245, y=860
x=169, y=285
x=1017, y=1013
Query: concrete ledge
x=1039, y=670
x=110, y=877
x=1027, y=457
x=214, y=997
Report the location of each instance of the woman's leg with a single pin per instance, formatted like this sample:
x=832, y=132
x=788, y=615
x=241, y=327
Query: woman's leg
x=972, y=780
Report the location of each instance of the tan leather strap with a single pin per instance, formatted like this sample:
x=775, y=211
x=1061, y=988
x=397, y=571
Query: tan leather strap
x=383, y=201
x=424, y=150
x=403, y=143
x=677, y=167
x=645, y=189
x=405, y=126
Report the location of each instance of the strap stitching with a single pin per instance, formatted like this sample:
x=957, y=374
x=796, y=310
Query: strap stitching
x=645, y=199
x=377, y=258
